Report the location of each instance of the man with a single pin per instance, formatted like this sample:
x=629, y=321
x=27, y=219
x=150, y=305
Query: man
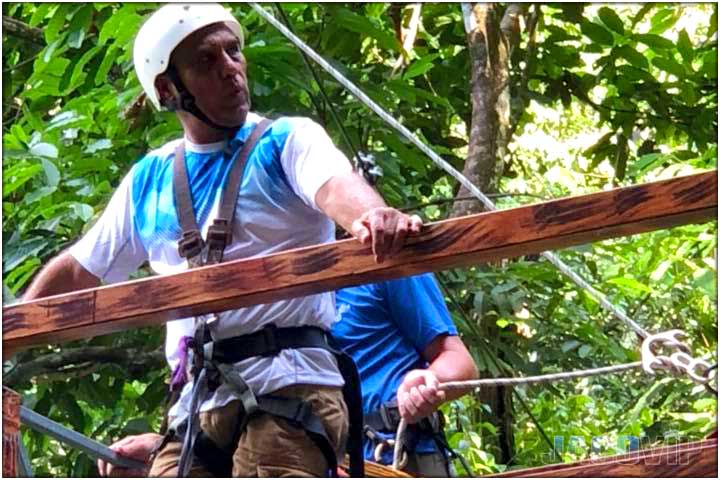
x=401, y=336
x=295, y=183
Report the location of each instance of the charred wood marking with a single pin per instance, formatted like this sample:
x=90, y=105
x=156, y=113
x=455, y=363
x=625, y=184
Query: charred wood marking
x=273, y=269
x=561, y=212
x=627, y=199
x=143, y=296
x=439, y=238
x=315, y=261
x=72, y=311
x=15, y=320
x=696, y=191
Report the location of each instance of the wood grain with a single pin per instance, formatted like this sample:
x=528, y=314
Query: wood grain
x=447, y=244
x=695, y=459
x=11, y=430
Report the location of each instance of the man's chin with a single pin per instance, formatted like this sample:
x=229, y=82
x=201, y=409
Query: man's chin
x=236, y=120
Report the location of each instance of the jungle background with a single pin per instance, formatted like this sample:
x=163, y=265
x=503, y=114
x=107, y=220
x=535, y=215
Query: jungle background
x=531, y=101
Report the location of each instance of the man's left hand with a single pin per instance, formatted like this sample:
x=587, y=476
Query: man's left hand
x=418, y=395
x=385, y=229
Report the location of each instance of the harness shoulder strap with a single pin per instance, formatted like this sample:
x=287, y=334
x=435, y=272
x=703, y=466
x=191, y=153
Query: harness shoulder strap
x=191, y=244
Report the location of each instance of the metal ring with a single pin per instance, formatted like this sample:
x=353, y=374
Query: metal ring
x=377, y=454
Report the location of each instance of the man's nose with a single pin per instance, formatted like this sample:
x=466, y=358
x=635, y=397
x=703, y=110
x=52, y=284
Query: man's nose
x=229, y=65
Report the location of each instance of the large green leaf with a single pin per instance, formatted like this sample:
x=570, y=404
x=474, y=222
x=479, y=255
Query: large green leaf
x=685, y=47
x=596, y=33
x=611, y=20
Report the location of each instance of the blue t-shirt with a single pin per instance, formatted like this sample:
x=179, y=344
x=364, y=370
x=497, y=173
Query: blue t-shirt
x=385, y=327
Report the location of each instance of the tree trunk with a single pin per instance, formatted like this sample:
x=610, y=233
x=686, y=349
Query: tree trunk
x=491, y=36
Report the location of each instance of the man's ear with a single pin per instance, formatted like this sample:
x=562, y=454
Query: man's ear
x=166, y=92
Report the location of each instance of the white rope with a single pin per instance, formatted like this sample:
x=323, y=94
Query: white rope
x=464, y=181
x=548, y=378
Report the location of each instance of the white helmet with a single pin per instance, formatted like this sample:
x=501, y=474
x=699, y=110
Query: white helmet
x=164, y=31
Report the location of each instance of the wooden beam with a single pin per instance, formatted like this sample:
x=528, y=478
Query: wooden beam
x=11, y=431
x=695, y=459
x=447, y=244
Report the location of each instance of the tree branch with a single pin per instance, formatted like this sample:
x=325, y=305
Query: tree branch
x=516, y=113
x=510, y=25
x=76, y=360
x=14, y=27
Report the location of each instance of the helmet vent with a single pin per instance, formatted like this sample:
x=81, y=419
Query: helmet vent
x=181, y=20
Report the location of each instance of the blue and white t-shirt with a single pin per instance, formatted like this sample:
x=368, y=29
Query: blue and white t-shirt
x=385, y=327
x=276, y=211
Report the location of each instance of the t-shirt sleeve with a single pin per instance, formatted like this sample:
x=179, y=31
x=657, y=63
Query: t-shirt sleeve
x=418, y=307
x=111, y=250
x=309, y=159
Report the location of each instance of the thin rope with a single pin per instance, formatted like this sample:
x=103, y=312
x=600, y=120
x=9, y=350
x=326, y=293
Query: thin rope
x=548, y=378
x=464, y=181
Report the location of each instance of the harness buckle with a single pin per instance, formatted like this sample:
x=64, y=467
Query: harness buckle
x=191, y=244
x=271, y=346
x=218, y=236
x=390, y=417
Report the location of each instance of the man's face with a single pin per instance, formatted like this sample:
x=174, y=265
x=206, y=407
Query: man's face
x=212, y=67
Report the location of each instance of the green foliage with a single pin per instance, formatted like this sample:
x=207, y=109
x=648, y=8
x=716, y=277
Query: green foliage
x=603, y=96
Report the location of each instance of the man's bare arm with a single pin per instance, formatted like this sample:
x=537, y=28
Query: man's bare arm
x=418, y=395
x=61, y=275
x=359, y=209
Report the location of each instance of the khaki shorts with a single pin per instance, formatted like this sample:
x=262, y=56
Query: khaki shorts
x=269, y=446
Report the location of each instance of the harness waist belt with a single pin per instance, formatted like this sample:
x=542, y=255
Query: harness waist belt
x=267, y=342
x=387, y=419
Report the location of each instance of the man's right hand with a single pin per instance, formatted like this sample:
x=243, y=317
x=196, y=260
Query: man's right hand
x=137, y=447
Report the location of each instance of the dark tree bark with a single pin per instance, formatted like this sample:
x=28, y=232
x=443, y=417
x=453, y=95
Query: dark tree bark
x=492, y=36
x=16, y=28
x=82, y=361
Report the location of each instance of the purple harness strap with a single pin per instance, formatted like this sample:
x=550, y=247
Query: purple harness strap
x=179, y=375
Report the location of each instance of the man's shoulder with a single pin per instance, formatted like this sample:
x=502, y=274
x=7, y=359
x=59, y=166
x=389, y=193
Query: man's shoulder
x=155, y=161
x=163, y=152
x=288, y=124
x=160, y=155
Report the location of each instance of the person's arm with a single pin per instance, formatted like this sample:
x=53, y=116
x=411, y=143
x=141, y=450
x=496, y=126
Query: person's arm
x=449, y=361
x=61, y=275
x=359, y=209
x=322, y=177
x=417, y=306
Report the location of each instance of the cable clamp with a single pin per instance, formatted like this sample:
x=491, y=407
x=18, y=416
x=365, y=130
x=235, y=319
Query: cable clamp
x=680, y=362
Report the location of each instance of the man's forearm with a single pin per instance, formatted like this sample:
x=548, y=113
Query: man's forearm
x=61, y=275
x=452, y=366
x=451, y=361
x=345, y=198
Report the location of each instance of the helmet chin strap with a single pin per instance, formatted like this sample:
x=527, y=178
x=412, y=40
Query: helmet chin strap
x=187, y=103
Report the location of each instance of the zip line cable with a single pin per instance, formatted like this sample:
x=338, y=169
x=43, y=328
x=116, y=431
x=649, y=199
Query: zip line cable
x=464, y=181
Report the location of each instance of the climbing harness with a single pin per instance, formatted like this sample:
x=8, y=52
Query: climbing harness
x=381, y=426
x=212, y=361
